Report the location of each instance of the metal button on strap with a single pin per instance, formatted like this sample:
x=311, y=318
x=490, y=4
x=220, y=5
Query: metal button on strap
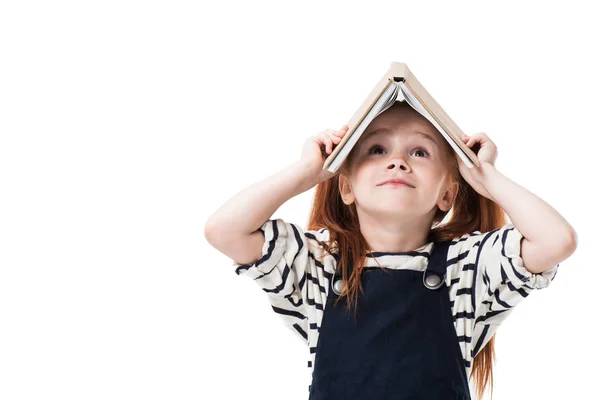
x=432, y=280
x=337, y=285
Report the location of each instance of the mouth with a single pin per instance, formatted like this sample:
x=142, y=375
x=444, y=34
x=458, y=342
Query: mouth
x=395, y=183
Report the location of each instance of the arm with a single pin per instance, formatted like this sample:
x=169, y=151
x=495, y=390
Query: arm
x=548, y=237
x=233, y=228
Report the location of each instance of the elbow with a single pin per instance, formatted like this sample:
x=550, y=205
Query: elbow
x=217, y=237
x=568, y=247
x=571, y=242
x=210, y=232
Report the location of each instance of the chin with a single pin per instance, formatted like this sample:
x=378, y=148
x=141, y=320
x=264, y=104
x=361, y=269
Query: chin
x=392, y=211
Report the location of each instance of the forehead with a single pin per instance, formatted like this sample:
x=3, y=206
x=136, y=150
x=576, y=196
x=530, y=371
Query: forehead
x=406, y=130
x=401, y=131
x=401, y=121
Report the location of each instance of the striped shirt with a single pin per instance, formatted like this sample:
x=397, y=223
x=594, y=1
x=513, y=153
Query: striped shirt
x=485, y=276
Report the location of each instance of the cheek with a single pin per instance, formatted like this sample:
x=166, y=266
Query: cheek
x=361, y=178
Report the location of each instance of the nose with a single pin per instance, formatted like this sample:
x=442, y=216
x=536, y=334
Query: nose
x=398, y=162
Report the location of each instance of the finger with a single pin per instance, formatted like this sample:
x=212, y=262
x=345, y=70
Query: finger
x=330, y=133
x=480, y=136
x=334, y=138
x=325, y=140
x=472, y=140
x=322, y=141
x=328, y=138
x=342, y=131
x=319, y=140
x=482, y=139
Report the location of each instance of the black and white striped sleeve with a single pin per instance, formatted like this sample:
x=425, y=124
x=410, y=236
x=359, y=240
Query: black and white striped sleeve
x=500, y=280
x=281, y=272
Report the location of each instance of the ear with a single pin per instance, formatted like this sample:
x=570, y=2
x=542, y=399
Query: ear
x=447, y=200
x=345, y=189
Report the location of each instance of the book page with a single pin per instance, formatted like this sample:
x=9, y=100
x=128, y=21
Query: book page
x=414, y=103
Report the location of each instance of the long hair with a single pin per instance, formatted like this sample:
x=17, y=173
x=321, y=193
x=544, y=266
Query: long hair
x=470, y=212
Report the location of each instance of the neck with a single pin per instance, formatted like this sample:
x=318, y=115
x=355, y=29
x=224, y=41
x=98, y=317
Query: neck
x=394, y=236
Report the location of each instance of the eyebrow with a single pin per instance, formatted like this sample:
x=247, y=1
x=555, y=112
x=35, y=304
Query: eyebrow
x=421, y=134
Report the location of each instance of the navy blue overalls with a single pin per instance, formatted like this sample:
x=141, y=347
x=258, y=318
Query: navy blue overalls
x=403, y=344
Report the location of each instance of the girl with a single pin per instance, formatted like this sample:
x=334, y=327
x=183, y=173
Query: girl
x=427, y=296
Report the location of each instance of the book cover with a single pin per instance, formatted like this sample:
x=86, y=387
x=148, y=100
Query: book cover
x=399, y=84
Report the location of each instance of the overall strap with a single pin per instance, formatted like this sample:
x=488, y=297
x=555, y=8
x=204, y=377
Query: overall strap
x=434, y=275
x=336, y=282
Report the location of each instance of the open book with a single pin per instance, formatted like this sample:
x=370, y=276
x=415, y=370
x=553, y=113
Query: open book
x=399, y=84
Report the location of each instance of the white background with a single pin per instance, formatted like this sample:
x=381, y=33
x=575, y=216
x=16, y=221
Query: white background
x=125, y=125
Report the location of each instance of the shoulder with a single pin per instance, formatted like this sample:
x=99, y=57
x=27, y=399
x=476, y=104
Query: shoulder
x=474, y=241
x=289, y=234
x=496, y=253
x=321, y=235
x=464, y=251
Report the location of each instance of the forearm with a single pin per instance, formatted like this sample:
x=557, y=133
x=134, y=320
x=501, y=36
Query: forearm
x=252, y=207
x=532, y=216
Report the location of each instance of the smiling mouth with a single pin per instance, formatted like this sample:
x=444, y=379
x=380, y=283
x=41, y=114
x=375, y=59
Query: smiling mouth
x=395, y=184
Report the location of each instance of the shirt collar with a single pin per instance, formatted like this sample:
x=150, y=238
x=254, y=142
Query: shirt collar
x=415, y=259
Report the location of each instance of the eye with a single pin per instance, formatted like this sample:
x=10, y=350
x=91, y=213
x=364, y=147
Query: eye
x=374, y=147
x=423, y=150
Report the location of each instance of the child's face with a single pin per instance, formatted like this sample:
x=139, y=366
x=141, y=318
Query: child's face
x=398, y=150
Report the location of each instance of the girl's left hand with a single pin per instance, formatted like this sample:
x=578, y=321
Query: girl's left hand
x=486, y=153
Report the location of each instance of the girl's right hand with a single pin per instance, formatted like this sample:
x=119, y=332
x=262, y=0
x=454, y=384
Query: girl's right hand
x=316, y=150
